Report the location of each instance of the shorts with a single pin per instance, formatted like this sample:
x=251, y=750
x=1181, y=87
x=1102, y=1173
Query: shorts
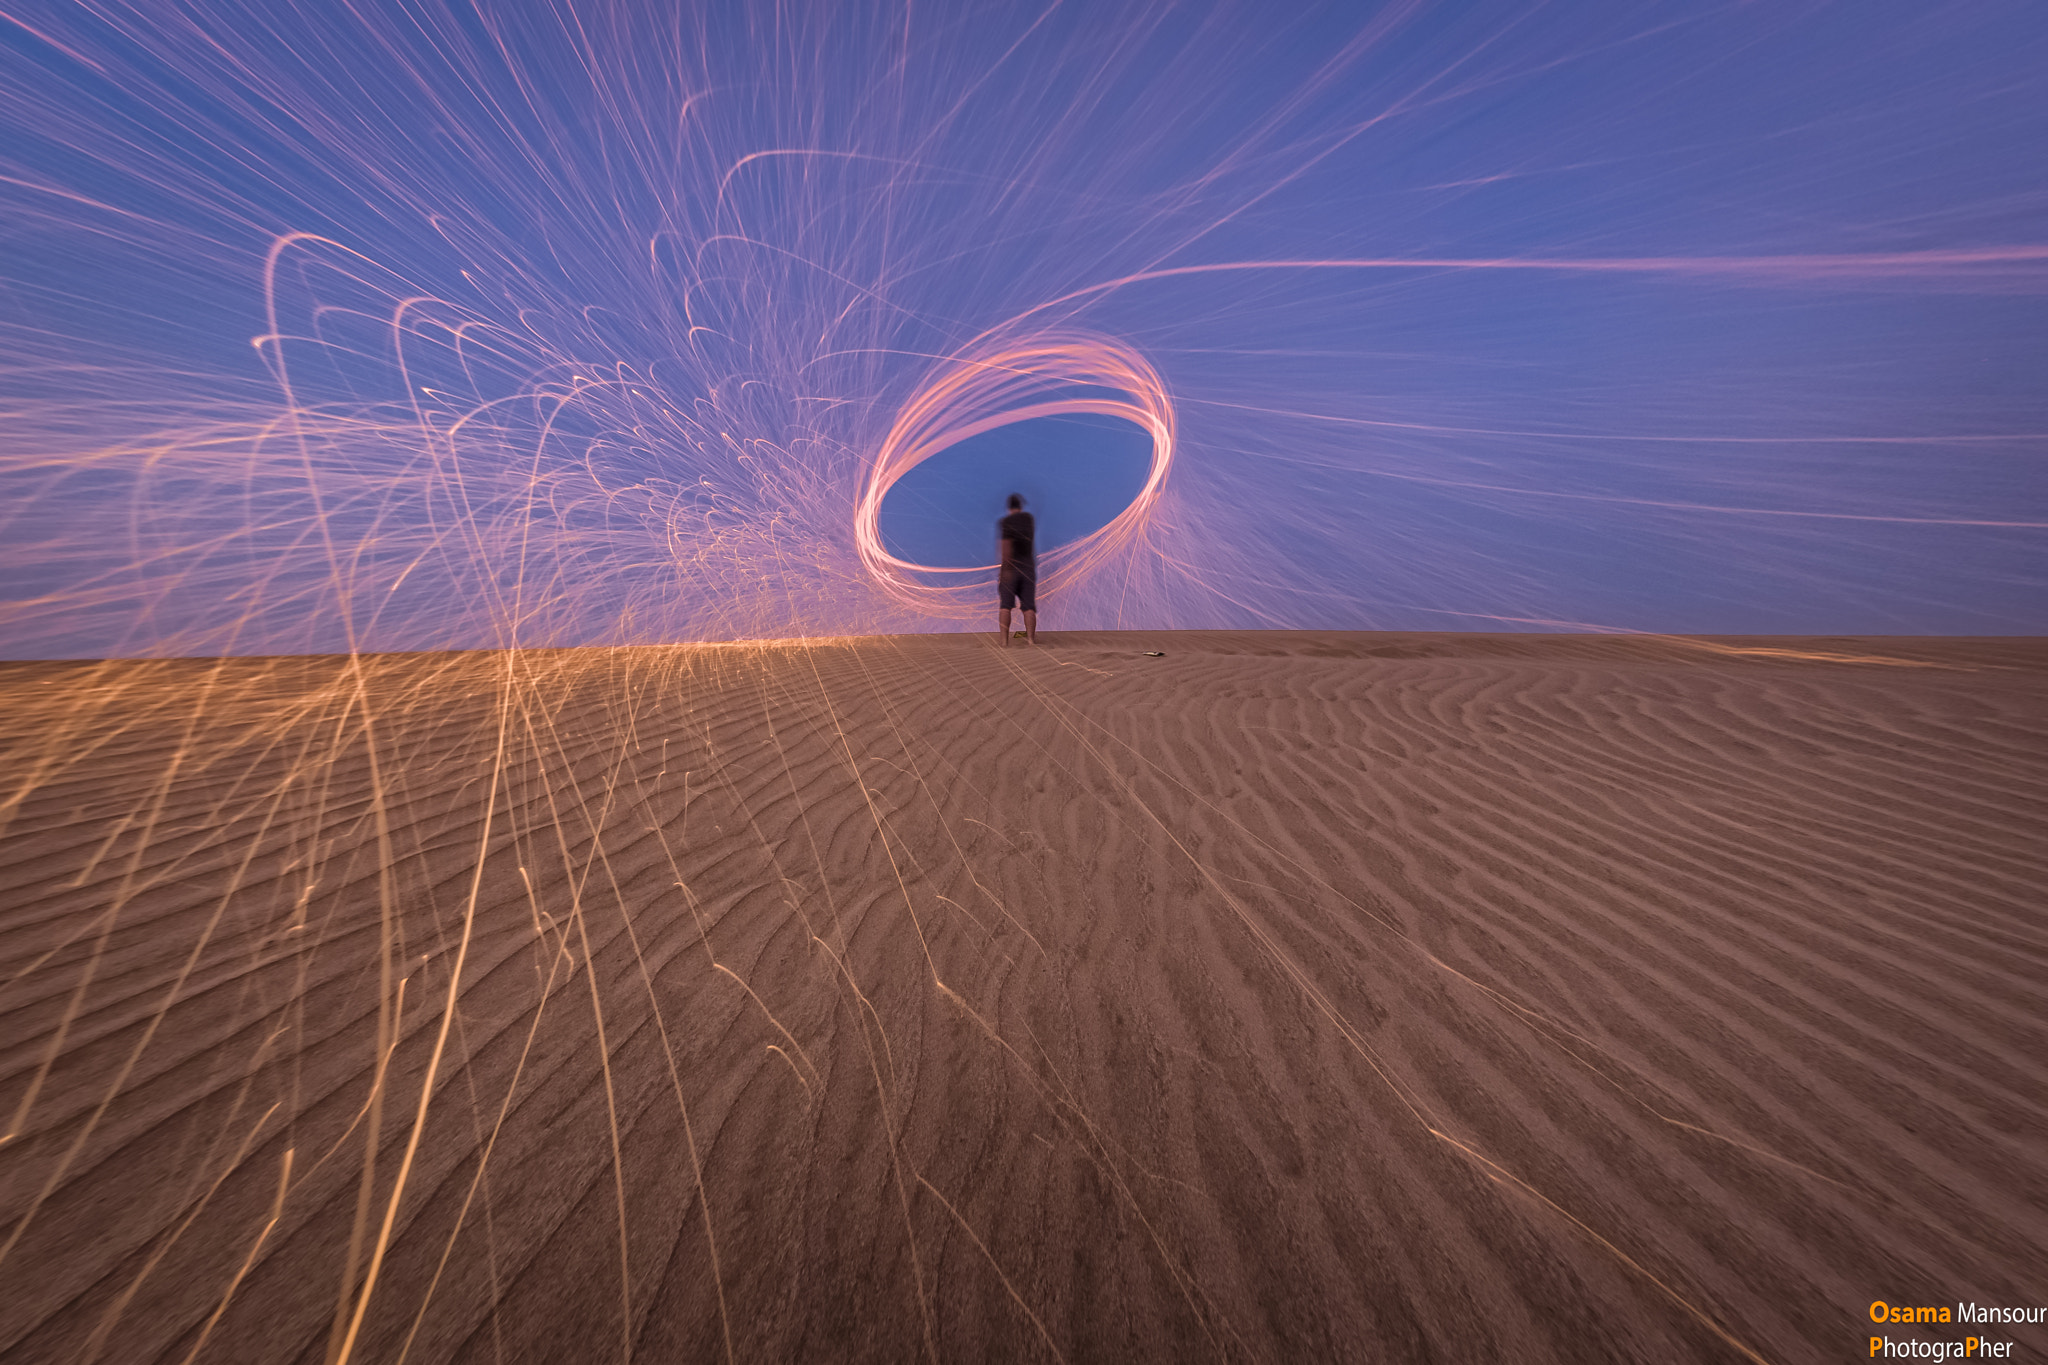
x=1017, y=588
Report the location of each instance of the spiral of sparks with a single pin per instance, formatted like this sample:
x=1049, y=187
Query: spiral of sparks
x=991, y=385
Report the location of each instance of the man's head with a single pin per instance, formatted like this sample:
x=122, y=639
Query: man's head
x=1016, y=502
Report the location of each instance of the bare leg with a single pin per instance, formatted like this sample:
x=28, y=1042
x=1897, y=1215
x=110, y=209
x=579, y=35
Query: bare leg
x=1003, y=624
x=1030, y=628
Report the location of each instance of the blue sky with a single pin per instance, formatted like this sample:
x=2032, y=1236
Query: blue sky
x=739, y=238
x=1081, y=470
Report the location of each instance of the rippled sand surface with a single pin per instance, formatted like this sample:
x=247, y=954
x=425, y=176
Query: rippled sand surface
x=1289, y=996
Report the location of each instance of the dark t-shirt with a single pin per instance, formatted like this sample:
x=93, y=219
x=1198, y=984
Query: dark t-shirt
x=1017, y=528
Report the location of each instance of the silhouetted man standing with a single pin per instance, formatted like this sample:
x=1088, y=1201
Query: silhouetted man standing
x=1017, y=572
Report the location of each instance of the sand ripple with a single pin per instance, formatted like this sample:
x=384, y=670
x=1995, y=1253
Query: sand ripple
x=1291, y=996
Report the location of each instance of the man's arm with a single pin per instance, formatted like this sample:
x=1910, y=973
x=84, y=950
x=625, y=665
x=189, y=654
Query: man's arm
x=1008, y=552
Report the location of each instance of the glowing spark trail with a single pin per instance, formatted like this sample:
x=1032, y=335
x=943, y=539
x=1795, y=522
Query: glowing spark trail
x=990, y=386
x=651, y=370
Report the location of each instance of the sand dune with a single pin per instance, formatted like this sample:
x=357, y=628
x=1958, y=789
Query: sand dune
x=1291, y=996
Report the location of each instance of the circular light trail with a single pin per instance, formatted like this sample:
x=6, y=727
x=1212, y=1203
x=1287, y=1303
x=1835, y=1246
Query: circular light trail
x=1006, y=379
